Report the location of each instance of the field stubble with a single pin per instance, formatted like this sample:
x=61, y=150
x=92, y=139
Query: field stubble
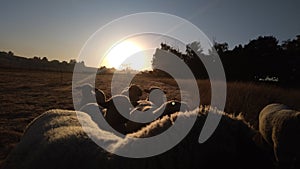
x=27, y=94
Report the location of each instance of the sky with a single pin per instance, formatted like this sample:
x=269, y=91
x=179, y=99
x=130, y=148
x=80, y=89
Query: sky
x=58, y=29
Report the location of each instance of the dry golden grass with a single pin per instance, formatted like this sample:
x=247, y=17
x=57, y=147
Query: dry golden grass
x=27, y=94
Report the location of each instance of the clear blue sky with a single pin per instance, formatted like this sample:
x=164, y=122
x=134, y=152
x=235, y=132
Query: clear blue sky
x=58, y=29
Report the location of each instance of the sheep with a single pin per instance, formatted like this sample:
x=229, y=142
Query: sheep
x=170, y=107
x=110, y=113
x=100, y=97
x=157, y=95
x=134, y=92
x=152, y=112
x=86, y=94
x=280, y=127
x=56, y=140
x=230, y=146
x=89, y=92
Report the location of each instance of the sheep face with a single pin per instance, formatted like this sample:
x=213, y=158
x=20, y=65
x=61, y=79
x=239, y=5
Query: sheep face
x=100, y=97
x=134, y=92
x=112, y=114
x=157, y=96
x=171, y=107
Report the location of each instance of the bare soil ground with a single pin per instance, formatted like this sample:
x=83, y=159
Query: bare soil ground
x=27, y=94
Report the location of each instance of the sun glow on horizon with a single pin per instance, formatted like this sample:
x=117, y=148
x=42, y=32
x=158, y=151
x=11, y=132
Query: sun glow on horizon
x=126, y=54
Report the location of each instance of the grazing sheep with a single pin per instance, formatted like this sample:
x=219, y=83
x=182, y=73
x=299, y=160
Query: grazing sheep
x=100, y=97
x=56, y=140
x=280, y=127
x=134, y=92
x=157, y=95
x=89, y=92
x=170, y=107
x=144, y=103
x=111, y=114
x=151, y=112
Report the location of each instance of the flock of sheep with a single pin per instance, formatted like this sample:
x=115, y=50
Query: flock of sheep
x=56, y=139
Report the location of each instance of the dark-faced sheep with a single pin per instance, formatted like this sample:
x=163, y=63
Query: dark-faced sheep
x=156, y=96
x=280, y=127
x=134, y=92
x=89, y=93
x=110, y=113
x=100, y=97
x=113, y=115
x=57, y=140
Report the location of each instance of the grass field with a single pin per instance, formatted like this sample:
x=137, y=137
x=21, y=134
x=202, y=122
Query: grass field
x=27, y=94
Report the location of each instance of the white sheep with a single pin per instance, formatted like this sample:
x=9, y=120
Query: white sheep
x=152, y=112
x=57, y=140
x=280, y=127
x=230, y=146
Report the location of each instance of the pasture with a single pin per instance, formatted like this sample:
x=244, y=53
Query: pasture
x=27, y=94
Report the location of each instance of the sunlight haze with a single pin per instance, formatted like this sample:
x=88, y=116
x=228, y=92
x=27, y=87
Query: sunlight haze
x=119, y=56
x=59, y=29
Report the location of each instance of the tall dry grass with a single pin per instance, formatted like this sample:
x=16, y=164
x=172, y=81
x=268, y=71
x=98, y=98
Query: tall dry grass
x=250, y=98
x=27, y=94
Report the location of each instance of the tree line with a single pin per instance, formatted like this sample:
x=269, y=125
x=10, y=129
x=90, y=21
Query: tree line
x=10, y=60
x=262, y=59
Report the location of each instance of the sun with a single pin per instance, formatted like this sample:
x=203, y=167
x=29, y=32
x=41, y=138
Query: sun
x=126, y=54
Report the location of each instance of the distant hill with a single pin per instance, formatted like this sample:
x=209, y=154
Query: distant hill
x=11, y=61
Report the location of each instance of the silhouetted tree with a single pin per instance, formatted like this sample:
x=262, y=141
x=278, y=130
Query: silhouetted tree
x=10, y=53
x=45, y=59
x=221, y=47
x=72, y=61
x=36, y=58
x=190, y=57
x=194, y=53
x=291, y=53
x=262, y=58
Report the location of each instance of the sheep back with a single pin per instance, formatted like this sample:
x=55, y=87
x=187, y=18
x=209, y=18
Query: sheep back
x=280, y=126
x=55, y=139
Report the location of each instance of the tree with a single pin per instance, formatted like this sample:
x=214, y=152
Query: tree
x=72, y=61
x=10, y=53
x=261, y=58
x=291, y=53
x=221, y=47
x=36, y=58
x=45, y=59
x=190, y=57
